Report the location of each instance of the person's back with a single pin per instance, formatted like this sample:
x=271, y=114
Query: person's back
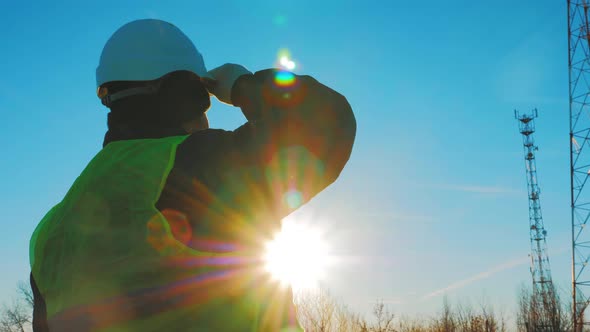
x=164, y=228
x=95, y=246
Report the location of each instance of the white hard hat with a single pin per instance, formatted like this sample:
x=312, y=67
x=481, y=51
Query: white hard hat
x=145, y=50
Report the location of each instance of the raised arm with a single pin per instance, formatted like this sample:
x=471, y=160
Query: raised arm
x=298, y=129
x=297, y=140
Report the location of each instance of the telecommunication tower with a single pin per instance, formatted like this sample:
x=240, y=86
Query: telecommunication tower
x=579, y=116
x=543, y=317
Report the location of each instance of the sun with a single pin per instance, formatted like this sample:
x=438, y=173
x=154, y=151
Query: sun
x=297, y=256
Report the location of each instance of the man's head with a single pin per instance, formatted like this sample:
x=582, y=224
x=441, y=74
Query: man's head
x=151, y=73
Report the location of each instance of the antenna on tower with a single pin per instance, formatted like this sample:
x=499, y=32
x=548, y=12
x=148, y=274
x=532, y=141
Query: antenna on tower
x=545, y=317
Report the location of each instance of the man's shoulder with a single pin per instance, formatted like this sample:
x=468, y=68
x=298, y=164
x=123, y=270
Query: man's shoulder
x=207, y=138
x=203, y=145
x=210, y=132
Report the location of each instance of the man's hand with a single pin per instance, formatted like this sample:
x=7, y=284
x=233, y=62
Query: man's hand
x=222, y=80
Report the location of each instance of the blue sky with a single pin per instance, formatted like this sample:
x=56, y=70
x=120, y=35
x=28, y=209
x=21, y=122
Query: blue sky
x=434, y=196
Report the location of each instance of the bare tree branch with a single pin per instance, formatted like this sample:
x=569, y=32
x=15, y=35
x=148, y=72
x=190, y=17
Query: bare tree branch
x=14, y=318
x=26, y=293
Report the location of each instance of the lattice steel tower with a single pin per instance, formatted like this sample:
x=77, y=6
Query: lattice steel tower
x=579, y=99
x=543, y=317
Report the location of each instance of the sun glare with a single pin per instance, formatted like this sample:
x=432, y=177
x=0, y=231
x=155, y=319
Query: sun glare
x=288, y=64
x=297, y=256
x=284, y=60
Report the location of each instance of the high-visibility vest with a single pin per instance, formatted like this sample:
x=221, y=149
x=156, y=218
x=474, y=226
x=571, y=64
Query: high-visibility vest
x=106, y=259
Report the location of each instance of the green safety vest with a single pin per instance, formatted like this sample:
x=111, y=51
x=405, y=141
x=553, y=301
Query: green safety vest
x=105, y=248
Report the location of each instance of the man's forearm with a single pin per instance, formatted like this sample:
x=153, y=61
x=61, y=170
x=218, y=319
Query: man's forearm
x=272, y=94
x=294, y=119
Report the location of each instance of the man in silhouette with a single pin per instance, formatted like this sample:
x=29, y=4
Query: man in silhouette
x=164, y=229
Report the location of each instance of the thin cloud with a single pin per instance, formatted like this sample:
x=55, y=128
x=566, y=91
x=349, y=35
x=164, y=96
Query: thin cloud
x=484, y=275
x=479, y=276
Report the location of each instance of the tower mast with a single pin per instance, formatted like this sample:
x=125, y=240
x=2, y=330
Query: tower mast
x=579, y=116
x=543, y=313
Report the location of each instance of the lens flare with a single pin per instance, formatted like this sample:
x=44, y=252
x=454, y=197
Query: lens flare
x=284, y=79
x=179, y=225
x=280, y=20
x=293, y=198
